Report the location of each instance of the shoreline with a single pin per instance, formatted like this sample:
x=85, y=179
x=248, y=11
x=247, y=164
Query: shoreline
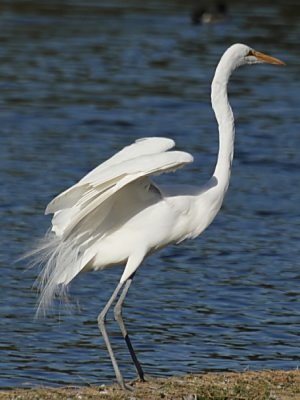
x=248, y=385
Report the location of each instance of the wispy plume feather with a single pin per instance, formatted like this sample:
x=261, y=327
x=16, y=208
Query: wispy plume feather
x=53, y=255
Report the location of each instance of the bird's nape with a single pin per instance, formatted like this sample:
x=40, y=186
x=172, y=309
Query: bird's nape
x=116, y=214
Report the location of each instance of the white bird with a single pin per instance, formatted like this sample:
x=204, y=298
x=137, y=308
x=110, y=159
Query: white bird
x=116, y=214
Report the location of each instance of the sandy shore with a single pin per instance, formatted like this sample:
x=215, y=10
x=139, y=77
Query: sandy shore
x=262, y=385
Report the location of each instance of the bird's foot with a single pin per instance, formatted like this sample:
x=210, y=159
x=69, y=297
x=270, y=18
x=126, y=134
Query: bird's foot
x=125, y=386
x=138, y=380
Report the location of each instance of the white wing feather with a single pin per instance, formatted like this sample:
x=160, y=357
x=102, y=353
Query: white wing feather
x=82, y=214
x=152, y=145
x=111, y=180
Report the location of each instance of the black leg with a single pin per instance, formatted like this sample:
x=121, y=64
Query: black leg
x=119, y=319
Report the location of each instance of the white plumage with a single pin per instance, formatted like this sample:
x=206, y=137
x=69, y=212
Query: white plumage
x=100, y=220
x=117, y=215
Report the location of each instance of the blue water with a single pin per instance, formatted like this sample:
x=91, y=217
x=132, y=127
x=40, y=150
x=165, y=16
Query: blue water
x=77, y=82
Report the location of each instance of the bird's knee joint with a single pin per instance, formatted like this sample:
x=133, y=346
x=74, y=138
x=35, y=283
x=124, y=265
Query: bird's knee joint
x=101, y=319
x=117, y=312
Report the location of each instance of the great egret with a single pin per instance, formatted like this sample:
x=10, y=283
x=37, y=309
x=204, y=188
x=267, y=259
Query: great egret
x=116, y=214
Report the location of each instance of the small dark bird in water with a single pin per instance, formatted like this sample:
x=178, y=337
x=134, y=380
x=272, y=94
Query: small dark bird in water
x=210, y=15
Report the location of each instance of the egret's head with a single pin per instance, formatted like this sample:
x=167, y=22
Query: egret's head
x=241, y=54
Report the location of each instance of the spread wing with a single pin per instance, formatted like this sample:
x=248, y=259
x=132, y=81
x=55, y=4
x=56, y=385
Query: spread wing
x=97, y=205
x=142, y=159
x=146, y=146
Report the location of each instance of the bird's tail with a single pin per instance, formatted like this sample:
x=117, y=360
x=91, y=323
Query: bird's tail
x=58, y=259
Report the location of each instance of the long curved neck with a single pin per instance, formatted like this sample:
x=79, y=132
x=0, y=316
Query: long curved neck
x=225, y=119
